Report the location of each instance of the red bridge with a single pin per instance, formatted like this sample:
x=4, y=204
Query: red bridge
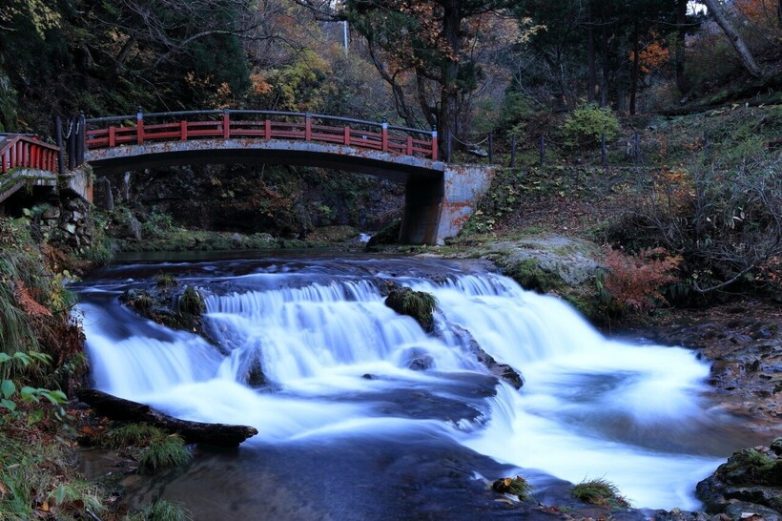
x=439, y=198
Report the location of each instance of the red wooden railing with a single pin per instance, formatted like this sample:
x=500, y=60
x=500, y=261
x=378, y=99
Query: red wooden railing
x=27, y=151
x=109, y=132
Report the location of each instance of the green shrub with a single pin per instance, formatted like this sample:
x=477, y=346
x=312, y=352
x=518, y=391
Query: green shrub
x=164, y=452
x=191, y=302
x=161, y=510
x=516, y=486
x=599, y=492
x=588, y=123
x=132, y=434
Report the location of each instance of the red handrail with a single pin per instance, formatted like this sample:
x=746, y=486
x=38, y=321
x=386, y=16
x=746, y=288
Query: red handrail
x=261, y=125
x=22, y=151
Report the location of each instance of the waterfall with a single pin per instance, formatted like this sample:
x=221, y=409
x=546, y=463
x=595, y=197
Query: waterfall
x=337, y=362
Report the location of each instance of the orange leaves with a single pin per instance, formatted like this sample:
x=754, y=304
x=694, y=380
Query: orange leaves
x=635, y=281
x=28, y=304
x=653, y=56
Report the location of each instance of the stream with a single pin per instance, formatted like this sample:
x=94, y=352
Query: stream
x=348, y=431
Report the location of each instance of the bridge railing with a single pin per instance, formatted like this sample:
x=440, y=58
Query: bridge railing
x=27, y=151
x=137, y=129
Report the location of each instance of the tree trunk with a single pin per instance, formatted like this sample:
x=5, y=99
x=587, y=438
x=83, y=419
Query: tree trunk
x=605, y=77
x=681, y=49
x=446, y=122
x=722, y=18
x=193, y=432
x=779, y=12
x=592, y=91
x=636, y=68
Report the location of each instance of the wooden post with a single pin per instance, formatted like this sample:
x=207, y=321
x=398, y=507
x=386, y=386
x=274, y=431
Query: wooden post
x=542, y=150
x=226, y=125
x=448, y=146
x=112, y=136
x=435, y=145
x=139, y=127
x=72, y=144
x=60, y=144
x=81, y=138
x=307, y=127
x=409, y=145
x=384, y=136
x=267, y=129
x=512, y=163
x=603, y=151
x=346, y=136
x=491, y=147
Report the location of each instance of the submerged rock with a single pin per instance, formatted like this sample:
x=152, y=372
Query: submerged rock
x=502, y=371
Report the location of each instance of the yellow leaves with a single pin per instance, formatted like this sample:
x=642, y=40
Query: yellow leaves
x=259, y=84
x=38, y=12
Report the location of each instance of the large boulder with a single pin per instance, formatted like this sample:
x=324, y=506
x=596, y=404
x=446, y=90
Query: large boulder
x=751, y=479
x=416, y=304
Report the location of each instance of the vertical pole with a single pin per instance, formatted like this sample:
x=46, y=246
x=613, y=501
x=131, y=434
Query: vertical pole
x=226, y=124
x=542, y=150
x=435, y=145
x=409, y=145
x=603, y=151
x=82, y=138
x=345, y=36
x=267, y=129
x=491, y=147
x=512, y=163
x=384, y=136
x=60, y=144
x=183, y=130
x=346, y=136
x=449, y=145
x=307, y=127
x=72, y=144
x=140, y=127
x=112, y=136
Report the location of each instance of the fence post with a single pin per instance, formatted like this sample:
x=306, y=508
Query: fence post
x=307, y=127
x=603, y=151
x=513, y=151
x=542, y=150
x=435, y=145
x=139, y=127
x=60, y=144
x=72, y=143
x=384, y=135
x=82, y=137
x=491, y=147
x=226, y=124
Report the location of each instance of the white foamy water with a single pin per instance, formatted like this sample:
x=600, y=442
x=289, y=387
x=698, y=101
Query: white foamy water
x=332, y=353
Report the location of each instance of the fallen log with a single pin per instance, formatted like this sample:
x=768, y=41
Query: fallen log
x=116, y=408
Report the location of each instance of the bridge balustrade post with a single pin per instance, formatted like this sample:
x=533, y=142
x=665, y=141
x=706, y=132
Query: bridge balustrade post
x=307, y=127
x=60, y=145
x=140, y=127
x=267, y=129
x=435, y=145
x=183, y=130
x=384, y=136
x=409, y=145
x=346, y=136
x=226, y=125
x=81, y=138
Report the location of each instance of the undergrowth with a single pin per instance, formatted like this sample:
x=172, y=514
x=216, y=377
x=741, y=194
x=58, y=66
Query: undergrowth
x=599, y=492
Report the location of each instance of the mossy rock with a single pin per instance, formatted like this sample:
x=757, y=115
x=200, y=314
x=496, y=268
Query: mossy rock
x=416, y=304
x=387, y=235
x=529, y=275
x=191, y=302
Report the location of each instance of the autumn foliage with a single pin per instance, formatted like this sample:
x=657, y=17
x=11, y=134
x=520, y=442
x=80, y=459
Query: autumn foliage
x=634, y=282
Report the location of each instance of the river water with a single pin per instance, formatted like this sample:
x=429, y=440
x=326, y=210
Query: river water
x=349, y=431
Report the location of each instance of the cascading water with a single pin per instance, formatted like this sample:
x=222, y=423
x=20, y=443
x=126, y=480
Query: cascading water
x=336, y=362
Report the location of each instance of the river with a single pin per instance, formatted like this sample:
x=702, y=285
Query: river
x=349, y=431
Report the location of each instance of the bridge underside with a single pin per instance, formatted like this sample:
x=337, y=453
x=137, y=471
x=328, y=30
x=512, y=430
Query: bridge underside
x=438, y=199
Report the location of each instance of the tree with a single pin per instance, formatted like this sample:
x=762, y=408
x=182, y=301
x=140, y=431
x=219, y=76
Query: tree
x=424, y=50
x=721, y=16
